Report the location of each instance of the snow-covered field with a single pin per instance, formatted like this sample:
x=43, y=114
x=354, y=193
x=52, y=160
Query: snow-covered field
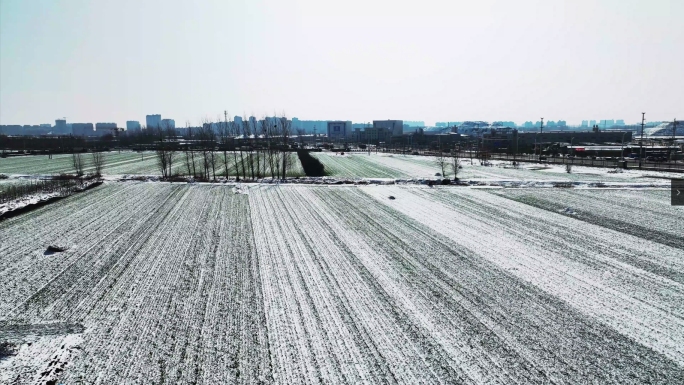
x=119, y=163
x=362, y=165
x=290, y=284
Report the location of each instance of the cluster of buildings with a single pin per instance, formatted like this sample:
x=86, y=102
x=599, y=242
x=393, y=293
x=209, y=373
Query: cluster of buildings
x=334, y=130
x=379, y=131
x=342, y=130
x=61, y=127
x=515, y=141
x=550, y=124
x=151, y=121
x=607, y=123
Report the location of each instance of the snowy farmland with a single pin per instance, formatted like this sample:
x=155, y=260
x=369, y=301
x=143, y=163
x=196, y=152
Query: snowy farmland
x=289, y=284
x=119, y=163
x=395, y=166
x=351, y=166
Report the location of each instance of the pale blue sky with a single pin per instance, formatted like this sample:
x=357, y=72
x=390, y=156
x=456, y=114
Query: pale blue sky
x=118, y=60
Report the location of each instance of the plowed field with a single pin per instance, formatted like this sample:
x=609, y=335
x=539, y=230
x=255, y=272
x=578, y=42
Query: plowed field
x=178, y=283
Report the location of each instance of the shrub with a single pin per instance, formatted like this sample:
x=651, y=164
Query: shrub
x=562, y=184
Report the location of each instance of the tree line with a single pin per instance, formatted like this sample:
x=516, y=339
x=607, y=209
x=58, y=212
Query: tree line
x=60, y=186
x=246, y=150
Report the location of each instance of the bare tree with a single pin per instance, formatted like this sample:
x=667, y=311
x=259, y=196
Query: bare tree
x=255, y=130
x=160, y=151
x=170, y=145
x=441, y=160
x=236, y=132
x=189, y=158
x=455, y=163
x=246, y=135
x=262, y=151
x=285, y=128
x=568, y=168
x=233, y=132
x=224, y=134
x=208, y=139
x=266, y=152
x=98, y=162
x=271, y=156
x=77, y=162
x=165, y=149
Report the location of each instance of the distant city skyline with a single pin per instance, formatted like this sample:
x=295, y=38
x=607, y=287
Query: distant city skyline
x=156, y=120
x=355, y=60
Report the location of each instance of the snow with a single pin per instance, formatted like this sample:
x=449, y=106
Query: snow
x=116, y=163
x=40, y=359
x=292, y=283
x=26, y=201
x=633, y=304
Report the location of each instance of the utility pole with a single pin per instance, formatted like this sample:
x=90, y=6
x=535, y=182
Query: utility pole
x=641, y=143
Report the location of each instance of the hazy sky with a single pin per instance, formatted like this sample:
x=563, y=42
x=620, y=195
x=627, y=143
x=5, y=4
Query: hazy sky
x=101, y=60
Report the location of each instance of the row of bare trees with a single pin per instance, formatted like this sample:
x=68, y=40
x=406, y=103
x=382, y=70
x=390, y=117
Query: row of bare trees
x=78, y=162
x=448, y=160
x=246, y=150
x=60, y=186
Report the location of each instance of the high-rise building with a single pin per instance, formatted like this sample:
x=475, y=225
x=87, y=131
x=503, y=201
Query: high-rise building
x=396, y=127
x=153, y=121
x=168, y=124
x=592, y=123
x=132, y=125
x=607, y=123
x=237, y=119
x=585, y=123
x=82, y=129
x=105, y=126
x=310, y=126
x=61, y=127
x=340, y=129
x=102, y=129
